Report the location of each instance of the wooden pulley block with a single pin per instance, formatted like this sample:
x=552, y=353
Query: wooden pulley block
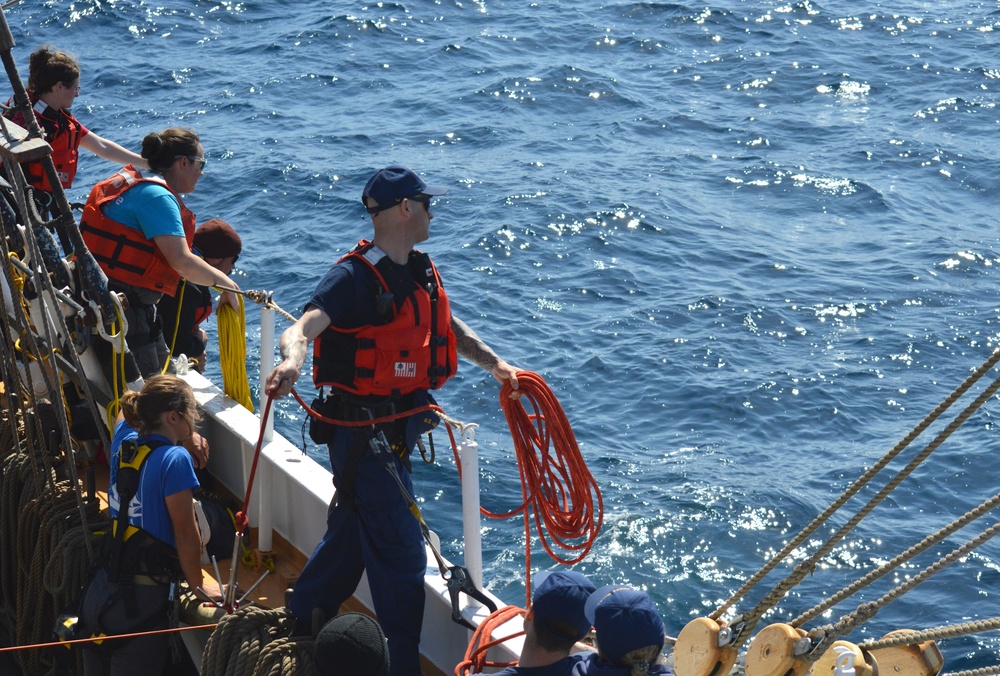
x=912, y=659
x=697, y=651
x=772, y=652
x=825, y=665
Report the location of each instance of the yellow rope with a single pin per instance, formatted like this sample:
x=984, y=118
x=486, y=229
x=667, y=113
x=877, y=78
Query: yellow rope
x=233, y=353
x=177, y=324
x=117, y=369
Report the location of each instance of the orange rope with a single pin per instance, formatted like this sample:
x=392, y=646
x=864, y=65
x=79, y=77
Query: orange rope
x=98, y=639
x=365, y=423
x=475, y=655
x=241, y=519
x=558, y=489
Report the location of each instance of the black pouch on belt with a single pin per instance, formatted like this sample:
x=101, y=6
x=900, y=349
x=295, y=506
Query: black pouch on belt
x=319, y=430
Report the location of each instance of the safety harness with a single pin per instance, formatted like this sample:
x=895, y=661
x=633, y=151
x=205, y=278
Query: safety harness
x=130, y=550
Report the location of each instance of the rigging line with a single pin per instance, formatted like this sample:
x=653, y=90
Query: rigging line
x=808, y=565
x=948, y=631
x=882, y=570
x=866, y=611
x=972, y=379
x=27, y=206
x=98, y=639
x=51, y=315
x=177, y=326
x=265, y=298
x=11, y=377
x=25, y=391
x=985, y=671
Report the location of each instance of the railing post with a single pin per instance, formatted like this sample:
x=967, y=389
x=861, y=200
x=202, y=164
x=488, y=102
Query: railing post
x=266, y=363
x=469, y=453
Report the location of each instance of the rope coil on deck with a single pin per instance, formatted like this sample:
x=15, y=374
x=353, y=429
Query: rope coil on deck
x=475, y=660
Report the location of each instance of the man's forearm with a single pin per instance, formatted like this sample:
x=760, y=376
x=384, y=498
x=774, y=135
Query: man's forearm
x=472, y=347
x=294, y=346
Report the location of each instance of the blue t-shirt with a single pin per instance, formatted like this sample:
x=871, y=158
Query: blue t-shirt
x=563, y=667
x=166, y=471
x=149, y=207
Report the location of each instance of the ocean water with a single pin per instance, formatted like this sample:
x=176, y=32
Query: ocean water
x=749, y=245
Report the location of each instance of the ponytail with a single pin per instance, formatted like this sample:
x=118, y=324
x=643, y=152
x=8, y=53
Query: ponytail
x=161, y=394
x=639, y=661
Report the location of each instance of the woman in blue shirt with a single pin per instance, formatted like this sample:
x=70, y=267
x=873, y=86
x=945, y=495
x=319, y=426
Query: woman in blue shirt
x=140, y=232
x=126, y=596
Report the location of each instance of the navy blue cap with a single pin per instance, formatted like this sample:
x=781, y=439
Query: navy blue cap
x=561, y=595
x=391, y=185
x=625, y=619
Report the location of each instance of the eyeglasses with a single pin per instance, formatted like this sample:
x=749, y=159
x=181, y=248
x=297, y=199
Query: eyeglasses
x=69, y=85
x=200, y=161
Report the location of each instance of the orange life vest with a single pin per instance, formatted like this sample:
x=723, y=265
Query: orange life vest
x=63, y=133
x=124, y=253
x=414, y=349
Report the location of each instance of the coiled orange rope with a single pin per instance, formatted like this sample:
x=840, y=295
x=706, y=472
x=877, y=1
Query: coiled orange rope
x=559, y=495
x=475, y=655
x=558, y=489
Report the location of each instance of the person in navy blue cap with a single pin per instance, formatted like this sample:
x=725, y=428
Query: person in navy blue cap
x=555, y=621
x=629, y=631
x=384, y=337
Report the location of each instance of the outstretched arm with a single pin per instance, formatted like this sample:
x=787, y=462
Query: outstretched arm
x=111, y=151
x=472, y=347
x=192, y=268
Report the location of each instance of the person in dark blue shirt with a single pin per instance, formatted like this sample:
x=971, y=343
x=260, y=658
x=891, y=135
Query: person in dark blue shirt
x=555, y=621
x=182, y=314
x=630, y=635
x=384, y=338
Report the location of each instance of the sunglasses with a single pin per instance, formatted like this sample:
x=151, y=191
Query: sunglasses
x=200, y=161
x=423, y=199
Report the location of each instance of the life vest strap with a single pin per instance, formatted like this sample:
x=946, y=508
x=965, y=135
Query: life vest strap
x=113, y=260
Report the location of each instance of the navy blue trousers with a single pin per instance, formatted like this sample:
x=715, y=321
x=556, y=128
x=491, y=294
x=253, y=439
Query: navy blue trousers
x=376, y=534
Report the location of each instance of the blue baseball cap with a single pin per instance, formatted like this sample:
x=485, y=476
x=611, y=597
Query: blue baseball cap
x=625, y=619
x=561, y=595
x=391, y=185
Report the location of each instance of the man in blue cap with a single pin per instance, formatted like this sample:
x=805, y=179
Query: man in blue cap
x=384, y=337
x=555, y=621
x=629, y=631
